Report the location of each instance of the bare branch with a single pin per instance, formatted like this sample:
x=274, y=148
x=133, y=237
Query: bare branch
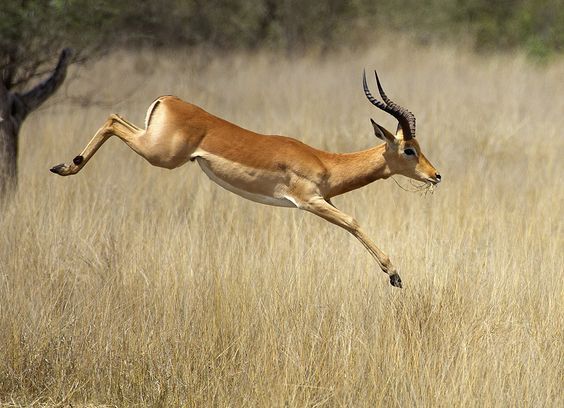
x=29, y=72
x=42, y=91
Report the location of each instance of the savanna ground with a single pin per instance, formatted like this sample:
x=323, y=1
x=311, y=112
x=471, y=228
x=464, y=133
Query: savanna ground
x=129, y=285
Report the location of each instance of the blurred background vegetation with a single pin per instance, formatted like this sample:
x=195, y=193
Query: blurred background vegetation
x=31, y=29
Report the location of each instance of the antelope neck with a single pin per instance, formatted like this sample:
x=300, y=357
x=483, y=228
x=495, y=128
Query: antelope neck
x=350, y=171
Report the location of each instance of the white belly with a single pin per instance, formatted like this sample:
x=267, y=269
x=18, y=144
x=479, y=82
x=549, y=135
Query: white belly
x=263, y=199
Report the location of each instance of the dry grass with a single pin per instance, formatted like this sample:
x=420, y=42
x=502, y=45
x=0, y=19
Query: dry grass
x=129, y=285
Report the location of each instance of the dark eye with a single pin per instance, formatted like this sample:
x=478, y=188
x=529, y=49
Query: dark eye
x=409, y=152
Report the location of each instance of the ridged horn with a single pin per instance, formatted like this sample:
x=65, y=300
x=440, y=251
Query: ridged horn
x=405, y=118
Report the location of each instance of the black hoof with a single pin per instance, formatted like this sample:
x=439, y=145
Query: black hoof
x=57, y=169
x=395, y=280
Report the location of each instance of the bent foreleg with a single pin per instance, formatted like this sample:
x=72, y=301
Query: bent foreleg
x=326, y=210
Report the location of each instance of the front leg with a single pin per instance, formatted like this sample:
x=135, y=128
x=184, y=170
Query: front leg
x=322, y=208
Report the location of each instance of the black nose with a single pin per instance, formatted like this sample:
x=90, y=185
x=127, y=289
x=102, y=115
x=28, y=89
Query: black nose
x=438, y=176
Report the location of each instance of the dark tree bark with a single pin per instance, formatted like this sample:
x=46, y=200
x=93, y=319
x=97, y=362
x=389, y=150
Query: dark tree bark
x=14, y=108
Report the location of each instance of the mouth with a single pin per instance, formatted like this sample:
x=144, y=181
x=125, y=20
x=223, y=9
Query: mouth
x=434, y=179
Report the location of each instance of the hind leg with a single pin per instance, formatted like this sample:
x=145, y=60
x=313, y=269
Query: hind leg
x=114, y=126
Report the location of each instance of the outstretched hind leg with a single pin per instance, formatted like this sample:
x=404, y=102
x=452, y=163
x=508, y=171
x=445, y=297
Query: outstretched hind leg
x=114, y=126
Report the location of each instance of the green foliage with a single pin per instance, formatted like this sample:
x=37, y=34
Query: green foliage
x=32, y=33
x=536, y=25
x=32, y=30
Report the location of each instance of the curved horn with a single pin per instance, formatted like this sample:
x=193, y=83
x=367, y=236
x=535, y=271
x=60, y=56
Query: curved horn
x=405, y=118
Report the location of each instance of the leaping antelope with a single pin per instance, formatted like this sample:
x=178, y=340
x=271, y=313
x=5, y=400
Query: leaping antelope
x=273, y=170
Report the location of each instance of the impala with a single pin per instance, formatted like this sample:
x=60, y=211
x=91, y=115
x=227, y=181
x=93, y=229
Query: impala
x=273, y=170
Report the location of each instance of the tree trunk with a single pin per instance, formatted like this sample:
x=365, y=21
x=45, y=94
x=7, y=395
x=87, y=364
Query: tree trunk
x=14, y=108
x=9, y=130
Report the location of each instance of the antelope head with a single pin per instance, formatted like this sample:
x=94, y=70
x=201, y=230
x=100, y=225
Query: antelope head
x=403, y=153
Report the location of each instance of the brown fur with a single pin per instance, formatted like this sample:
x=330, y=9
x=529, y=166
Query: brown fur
x=275, y=170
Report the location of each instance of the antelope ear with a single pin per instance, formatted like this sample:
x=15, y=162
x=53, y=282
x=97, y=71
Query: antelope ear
x=382, y=133
x=399, y=132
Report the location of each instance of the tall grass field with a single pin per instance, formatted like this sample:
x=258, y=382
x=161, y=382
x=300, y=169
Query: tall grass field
x=130, y=285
